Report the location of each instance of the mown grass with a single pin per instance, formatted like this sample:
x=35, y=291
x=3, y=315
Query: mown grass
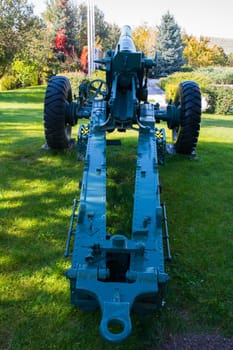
x=37, y=189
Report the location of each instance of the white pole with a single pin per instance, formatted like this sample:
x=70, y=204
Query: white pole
x=91, y=36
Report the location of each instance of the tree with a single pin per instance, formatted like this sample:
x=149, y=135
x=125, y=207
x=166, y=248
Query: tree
x=144, y=38
x=198, y=53
x=37, y=52
x=65, y=28
x=230, y=60
x=84, y=59
x=169, y=45
x=68, y=31
x=61, y=21
x=106, y=34
x=16, y=23
x=113, y=34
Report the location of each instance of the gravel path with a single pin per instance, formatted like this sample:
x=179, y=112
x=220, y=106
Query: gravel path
x=153, y=88
x=155, y=94
x=198, y=342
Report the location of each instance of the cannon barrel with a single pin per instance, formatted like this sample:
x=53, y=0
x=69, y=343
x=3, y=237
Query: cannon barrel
x=125, y=42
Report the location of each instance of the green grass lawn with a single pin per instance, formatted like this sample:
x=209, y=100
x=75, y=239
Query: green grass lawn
x=37, y=189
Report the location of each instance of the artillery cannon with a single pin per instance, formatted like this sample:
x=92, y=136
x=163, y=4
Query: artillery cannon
x=114, y=272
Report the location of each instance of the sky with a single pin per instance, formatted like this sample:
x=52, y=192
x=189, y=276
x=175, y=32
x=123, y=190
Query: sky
x=198, y=17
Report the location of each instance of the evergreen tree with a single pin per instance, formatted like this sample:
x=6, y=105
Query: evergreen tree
x=106, y=35
x=60, y=17
x=65, y=29
x=170, y=45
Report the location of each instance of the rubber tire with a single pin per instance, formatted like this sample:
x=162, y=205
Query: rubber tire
x=189, y=98
x=58, y=94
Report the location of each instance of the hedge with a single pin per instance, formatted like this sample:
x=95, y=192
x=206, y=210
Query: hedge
x=220, y=99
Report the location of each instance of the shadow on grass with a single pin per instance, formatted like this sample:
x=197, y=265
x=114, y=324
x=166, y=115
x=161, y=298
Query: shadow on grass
x=27, y=95
x=217, y=121
x=13, y=123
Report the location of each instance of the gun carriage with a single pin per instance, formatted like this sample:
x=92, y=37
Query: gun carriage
x=114, y=272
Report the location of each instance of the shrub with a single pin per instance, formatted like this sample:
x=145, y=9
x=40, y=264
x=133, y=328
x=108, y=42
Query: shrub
x=218, y=75
x=220, y=99
x=26, y=72
x=9, y=82
x=224, y=103
x=171, y=83
x=76, y=78
x=21, y=74
x=211, y=99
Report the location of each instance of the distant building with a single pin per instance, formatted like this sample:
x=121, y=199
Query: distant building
x=225, y=43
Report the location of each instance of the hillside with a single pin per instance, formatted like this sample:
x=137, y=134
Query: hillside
x=226, y=44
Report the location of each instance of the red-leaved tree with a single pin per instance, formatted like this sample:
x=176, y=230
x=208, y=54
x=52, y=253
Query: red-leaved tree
x=84, y=59
x=65, y=29
x=60, y=41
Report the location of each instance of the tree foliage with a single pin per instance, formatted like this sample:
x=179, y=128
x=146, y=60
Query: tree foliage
x=29, y=66
x=198, y=53
x=106, y=34
x=66, y=28
x=169, y=45
x=30, y=46
x=84, y=59
x=60, y=17
x=220, y=99
x=16, y=23
x=230, y=60
x=67, y=25
x=110, y=41
x=144, y=38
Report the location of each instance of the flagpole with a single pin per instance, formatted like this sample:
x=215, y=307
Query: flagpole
x=91, y=36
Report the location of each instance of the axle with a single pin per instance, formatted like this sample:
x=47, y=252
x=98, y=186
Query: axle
x=171, y=115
